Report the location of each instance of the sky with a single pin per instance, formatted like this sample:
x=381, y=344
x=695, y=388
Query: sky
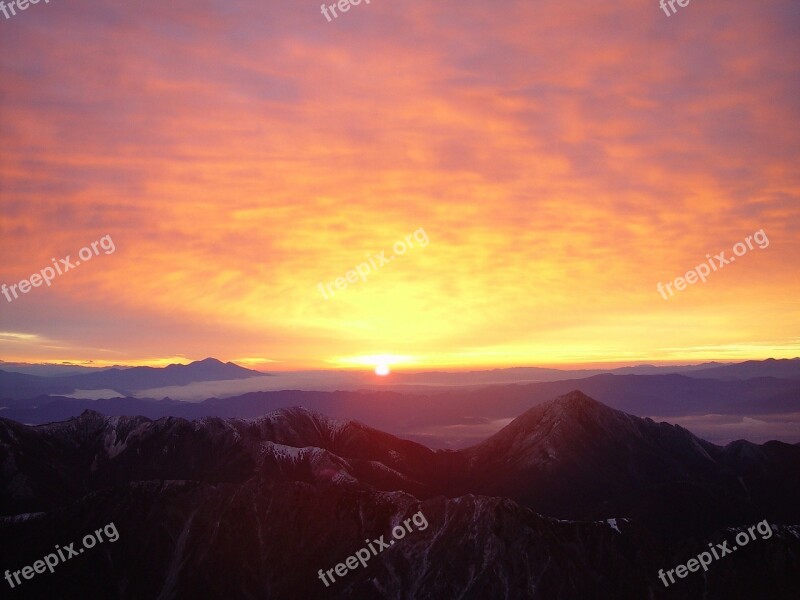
x=552, y=161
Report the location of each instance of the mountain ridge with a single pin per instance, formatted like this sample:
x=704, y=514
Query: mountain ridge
x=125, y=381
x=231, y=507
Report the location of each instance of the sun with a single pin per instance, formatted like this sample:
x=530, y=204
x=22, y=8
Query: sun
x=382, y=370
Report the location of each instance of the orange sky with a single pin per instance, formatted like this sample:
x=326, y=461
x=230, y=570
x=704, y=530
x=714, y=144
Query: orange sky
x=562, y=157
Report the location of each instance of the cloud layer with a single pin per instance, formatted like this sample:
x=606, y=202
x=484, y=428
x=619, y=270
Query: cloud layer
x=563, y=158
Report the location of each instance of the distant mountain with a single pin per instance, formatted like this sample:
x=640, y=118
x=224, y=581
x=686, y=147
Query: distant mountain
x=253, y=509
x=48, y=369
x=429, y=417
x=786, y=368
x=171, y=382
x=124, y=381
x=429, y=382
x=18, y=386
x=532, y=374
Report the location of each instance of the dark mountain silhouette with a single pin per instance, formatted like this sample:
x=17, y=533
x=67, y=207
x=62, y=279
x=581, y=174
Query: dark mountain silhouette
x=786, y=368
x=410, y=415
x=125, y=381
x=228, y=508
x=534, y=374
x=48, y=369
x=576, y=458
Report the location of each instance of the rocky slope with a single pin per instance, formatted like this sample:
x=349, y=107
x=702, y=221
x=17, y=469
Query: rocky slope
x=220, y=508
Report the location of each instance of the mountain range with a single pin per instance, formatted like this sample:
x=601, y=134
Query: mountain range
x=21, y=381
x=572, y=499
x=124, y=381
x=459, y=417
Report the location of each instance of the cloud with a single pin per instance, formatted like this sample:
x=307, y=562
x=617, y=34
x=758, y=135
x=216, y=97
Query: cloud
x=562, y=157
x=723, y=429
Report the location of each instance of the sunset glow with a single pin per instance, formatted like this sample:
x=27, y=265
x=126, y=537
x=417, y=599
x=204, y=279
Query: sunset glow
x=559, y=179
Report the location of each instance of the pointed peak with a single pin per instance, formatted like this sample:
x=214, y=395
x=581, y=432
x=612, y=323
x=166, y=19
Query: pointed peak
x=574, y=406
x=210, y=361
x=89, y=413
x=575, y=396
x=575, y=400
